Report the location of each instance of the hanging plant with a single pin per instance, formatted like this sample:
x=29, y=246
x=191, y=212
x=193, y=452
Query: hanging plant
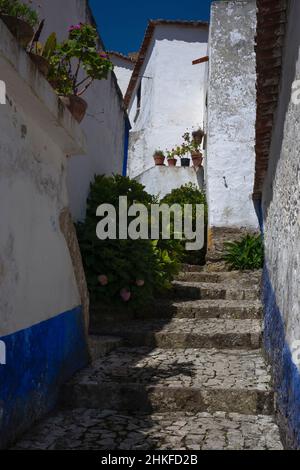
x=74, y=66
x=20, y=20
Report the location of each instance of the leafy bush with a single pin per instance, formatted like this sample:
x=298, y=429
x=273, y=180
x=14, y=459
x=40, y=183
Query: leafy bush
x=124, y=272
x=245, y=254
x=19, y=10
x=190, y=194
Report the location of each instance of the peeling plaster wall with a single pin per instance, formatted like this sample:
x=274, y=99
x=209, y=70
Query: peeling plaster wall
x=123, y=71
x=281, y=211
x=172, y=94
x=230, y=162
x=104, y=124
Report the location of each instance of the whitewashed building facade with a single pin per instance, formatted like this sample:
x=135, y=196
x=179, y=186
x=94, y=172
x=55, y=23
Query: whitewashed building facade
x=123, y=68
x=166, y=93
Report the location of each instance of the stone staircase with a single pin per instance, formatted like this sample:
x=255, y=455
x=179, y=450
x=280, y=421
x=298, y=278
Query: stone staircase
x=190, y=375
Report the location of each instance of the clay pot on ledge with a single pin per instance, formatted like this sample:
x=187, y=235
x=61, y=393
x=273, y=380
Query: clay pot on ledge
x=172, y=161
x=41, y=63
x=185, y=162
x=76, y=105
x=22, y=30
x=159, y=159
x=197, y=158
x=198, y=136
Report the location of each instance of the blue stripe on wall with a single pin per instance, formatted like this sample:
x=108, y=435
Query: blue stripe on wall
x=286, y=374
x=39, y=359
x=126, y=146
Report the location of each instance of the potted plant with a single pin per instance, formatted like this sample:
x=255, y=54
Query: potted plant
x=196, y=154
x=78, y=53
x=159, y=157
x=171, y=158
x=198, y=136
x=41, y=54
x=185, y=161
x=20, y=20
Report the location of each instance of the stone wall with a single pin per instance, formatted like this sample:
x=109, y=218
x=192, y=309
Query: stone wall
x=281, y=208
x=230, y=161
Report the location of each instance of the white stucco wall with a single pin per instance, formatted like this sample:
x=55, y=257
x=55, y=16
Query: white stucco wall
x=172, y=93
x=230, y=160
x=281, y=194
x=161, y=180
x=104, y=124
x=123, y=71
x=37, y=280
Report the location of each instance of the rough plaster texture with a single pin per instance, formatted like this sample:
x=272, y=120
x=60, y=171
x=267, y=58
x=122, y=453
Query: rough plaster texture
x=281, y=209
x=41, y=320
x=172, y=93
x=35, y=262
x=123, y=71
x=161, y=180
x=231, y=114
x=104, y=124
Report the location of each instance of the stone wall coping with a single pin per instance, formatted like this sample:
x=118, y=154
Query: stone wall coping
x=34, y=94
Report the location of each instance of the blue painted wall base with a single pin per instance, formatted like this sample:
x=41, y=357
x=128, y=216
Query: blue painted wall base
x=39, y=360
x=286, y=374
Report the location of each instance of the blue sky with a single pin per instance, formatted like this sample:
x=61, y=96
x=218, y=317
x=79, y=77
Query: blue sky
x=122, y=23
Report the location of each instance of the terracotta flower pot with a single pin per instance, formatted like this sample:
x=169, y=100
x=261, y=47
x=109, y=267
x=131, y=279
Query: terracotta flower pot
x=185, y=162
x=76, y=105
x=159, y=159
x=41, y=63
x=197, y=158
x=22, y=31
x=198, y=136
x=172, y=161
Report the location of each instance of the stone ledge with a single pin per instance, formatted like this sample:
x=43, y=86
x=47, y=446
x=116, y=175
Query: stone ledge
x=35, y=95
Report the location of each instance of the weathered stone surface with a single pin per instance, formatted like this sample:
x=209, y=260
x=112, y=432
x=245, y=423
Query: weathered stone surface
x=175, y=379
x=245, y=278
x=87, y=429
x=101, y=345
x=183, y=394
x=197, y=290
x=189, y=333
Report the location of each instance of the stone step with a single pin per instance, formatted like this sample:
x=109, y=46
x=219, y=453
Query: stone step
x=100, y=345
x=195, y=380
x=197, y=309
x=202, y=290
x=91, y=429
x=245, y=278
x=188, y=333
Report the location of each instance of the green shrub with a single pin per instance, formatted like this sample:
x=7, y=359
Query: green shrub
x=19, y=10
x=117, y=269
x=190, y=194
x=245, y=254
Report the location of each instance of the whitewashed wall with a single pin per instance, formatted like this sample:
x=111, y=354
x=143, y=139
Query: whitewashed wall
x=281, y=210
x=172, y=93
x=161, y=180
x=104, y=124
x=41, y=317
x=230, y=162
x=123, y=71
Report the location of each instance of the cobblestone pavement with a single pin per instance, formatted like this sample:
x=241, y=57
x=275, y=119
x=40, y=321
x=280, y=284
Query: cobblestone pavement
x=202, y=384
x=186, y=368
x=83, y=429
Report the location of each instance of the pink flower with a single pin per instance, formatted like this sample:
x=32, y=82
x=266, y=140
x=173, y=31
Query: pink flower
x=140, y=282
x=125, y=295
x=103, y=55
x=75, y=27
x=103, y=280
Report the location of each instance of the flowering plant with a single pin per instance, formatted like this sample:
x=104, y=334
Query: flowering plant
x=19, y=10
x=79, y=52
